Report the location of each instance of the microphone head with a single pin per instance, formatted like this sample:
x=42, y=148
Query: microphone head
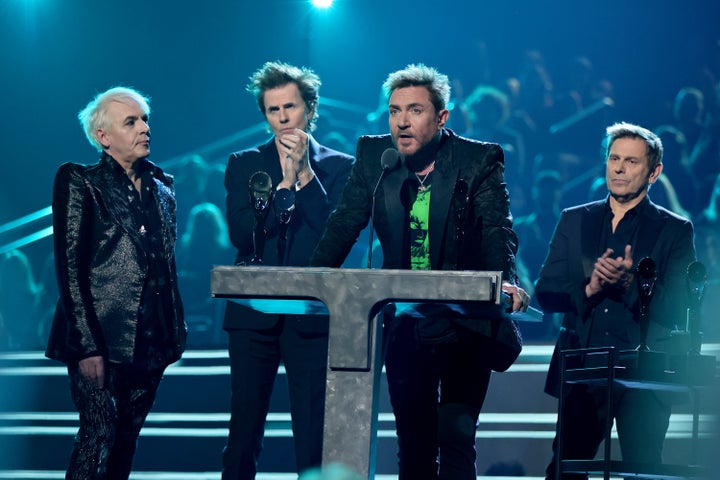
x=390, y=158
x=696, y=272
x=284, y=199
x=260, y=186
x=646, y=268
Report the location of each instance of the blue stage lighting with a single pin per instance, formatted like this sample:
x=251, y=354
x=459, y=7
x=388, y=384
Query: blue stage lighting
x=322, y=3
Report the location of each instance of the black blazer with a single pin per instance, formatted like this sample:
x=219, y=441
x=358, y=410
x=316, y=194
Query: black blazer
x=101, y=265
x=313, y=204
x=662, y=235
x=468, y=194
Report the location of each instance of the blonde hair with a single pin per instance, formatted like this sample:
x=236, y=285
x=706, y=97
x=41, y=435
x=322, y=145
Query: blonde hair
x=94, y=115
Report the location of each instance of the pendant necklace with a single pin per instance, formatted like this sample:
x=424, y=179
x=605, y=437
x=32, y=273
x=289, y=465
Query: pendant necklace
x=422, y=187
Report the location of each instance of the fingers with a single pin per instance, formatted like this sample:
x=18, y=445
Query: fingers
x=295, y=145
x=93, y=370
x=519, y=297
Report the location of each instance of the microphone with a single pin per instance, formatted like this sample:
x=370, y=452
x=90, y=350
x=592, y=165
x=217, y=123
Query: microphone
x=260, y=186
x=646, y=276
x=284, y=203
x=696, y=280
x=389, y=160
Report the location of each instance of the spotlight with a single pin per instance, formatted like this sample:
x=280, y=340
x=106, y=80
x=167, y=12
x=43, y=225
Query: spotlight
x=322, y=3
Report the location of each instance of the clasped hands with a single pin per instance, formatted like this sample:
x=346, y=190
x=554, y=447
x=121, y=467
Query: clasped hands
x=294, y=159
x=611, y=272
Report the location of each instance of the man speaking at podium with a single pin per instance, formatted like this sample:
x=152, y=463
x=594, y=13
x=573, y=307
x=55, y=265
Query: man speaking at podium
x=590, y=275
x=437, y=202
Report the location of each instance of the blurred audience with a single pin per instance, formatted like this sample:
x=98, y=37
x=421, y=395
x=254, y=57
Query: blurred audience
x=20, y=297
x=203, y=244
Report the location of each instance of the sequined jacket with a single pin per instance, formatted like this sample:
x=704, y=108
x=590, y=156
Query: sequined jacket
x=101, y=266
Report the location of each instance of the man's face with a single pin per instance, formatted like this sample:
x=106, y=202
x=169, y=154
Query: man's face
x=127, y=136
x=413, y=120
x=628, y=171
x=285, y=110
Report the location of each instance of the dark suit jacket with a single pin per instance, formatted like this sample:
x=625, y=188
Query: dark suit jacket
x=662, y=235
x=101, y=264
x=468, y=194
x=313, y=204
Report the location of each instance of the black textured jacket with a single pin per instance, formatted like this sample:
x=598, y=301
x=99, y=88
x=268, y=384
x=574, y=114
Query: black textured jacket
x=470, y=222
x=101, y=265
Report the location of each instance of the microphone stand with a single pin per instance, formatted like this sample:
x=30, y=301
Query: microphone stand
x=260, y=197
x=389, y=159
x=696, y=281
x=646, y=278
x=284, y=203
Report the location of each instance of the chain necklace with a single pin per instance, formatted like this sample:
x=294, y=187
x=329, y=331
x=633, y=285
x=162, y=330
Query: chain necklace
x=422, y=187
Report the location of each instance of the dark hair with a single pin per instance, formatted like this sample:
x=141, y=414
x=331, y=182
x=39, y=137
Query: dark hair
x=419, y=75
x=277, y=74
x=625, y=130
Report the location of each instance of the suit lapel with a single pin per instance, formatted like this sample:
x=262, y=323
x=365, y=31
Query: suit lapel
x=392, y=186
x=443, y=185
x=648, y=232
x=591, y=232
x=116, y=199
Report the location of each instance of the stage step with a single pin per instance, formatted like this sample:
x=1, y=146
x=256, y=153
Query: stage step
x=186, y=430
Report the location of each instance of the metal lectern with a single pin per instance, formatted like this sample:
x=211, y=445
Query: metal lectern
x=352, y=298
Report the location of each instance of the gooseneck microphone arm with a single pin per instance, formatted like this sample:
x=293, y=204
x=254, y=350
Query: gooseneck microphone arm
x=646, y=277
x=389, y=160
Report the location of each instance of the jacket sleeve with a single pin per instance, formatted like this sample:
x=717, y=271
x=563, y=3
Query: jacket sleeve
x=348, y=220
x=72, y=233
x=671, y=297
x=558, y=290
x=492, y=219
x=317, y=199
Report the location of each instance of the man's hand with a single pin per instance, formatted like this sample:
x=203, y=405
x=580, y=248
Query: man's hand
x=519, y=297
x=610, y=272
x=93, y=370
x=295, y=159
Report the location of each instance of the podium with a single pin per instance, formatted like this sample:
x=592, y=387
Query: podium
x=352, y=298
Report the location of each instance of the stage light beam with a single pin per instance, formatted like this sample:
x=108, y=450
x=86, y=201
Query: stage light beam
x=322, y=3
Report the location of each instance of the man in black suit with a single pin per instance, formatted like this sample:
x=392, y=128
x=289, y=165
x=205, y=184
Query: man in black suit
x=589, y=275
x=119, y=320
x=444, y=207
x=314, y=175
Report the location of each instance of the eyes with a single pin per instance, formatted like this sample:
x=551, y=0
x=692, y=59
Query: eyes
x=276, y=109
x=630, y=160
x=132, y=121
x=394, y=112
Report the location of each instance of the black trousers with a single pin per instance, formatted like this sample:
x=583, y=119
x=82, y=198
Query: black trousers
x=641, y=420
x=436, y=392
x=110, y=421
x=255, y=356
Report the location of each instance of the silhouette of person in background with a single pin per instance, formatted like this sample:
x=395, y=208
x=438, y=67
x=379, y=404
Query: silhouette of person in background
x=203, y=244
x=20, y=300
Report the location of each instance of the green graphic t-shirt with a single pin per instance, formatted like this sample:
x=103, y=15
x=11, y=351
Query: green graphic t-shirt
x=419, y=224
